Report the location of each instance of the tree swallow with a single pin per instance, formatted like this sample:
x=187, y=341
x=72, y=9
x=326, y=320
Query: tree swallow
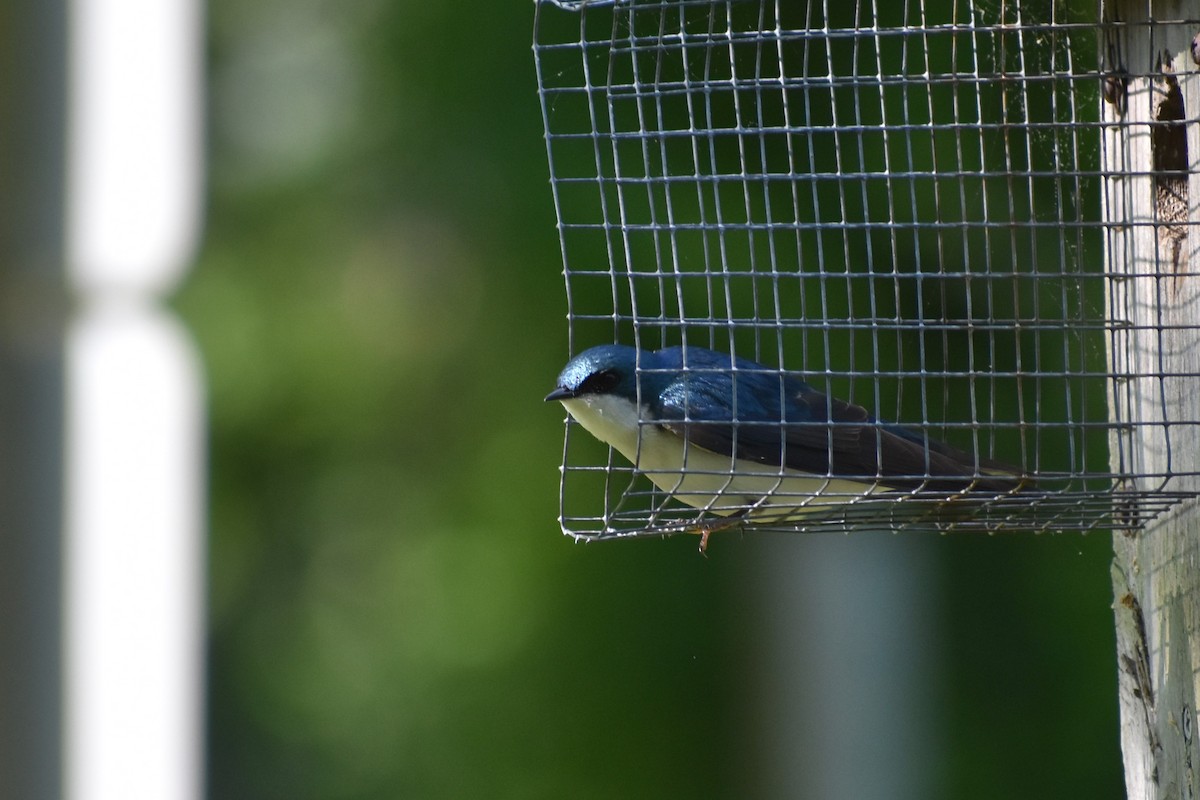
x=732, y=437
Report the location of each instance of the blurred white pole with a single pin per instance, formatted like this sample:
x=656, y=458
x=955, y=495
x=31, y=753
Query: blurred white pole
x=133, y=544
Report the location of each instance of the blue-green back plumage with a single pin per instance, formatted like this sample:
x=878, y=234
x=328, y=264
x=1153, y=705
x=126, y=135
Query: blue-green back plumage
x=734, y=406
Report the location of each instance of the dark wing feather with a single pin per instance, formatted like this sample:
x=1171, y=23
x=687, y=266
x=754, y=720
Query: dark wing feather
x=793, y=424
x=770, y=422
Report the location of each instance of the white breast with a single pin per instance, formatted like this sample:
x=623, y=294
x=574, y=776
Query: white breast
x=701, y=478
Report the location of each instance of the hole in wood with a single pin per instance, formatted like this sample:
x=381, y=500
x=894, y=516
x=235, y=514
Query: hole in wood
x=1168, y=144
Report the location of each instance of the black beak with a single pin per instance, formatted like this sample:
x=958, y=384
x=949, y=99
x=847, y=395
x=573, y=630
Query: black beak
x=560, y=393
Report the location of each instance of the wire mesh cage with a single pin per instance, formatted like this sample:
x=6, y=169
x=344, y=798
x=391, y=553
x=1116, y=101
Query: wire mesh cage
x=907, y=206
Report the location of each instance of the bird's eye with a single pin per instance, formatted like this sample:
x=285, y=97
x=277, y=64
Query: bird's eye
x=600, y=382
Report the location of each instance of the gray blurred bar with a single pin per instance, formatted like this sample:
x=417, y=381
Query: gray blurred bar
x=32, y=323
x=847, y=677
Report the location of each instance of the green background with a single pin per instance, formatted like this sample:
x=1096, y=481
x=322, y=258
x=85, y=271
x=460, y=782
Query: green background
x=393, y=610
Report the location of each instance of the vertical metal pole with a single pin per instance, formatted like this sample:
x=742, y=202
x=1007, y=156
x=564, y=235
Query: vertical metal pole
x=847, y=630
x=32, y=322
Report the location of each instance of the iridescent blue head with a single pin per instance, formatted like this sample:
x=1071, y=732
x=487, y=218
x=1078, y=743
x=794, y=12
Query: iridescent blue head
x=608, y=369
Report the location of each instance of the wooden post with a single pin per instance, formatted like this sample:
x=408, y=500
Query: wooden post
x=1151, y=194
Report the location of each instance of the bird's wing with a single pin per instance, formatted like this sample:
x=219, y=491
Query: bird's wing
x=899, y=457
x=795, y=426
x=767, y=423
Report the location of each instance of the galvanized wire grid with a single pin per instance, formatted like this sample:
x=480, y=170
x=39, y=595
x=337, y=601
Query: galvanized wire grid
x=898, y=202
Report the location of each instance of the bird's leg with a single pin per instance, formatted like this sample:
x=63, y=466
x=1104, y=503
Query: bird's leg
x=707, y=529
x=736, y=520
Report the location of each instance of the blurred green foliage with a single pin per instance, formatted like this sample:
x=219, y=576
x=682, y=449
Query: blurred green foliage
x=393, y=611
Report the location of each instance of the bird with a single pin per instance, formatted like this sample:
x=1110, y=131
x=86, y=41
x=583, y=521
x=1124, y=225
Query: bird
x=737, y=439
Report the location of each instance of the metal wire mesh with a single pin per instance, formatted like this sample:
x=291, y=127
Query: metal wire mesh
x=900, y=203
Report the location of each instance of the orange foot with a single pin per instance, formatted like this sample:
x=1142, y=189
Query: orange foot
x=707, y=529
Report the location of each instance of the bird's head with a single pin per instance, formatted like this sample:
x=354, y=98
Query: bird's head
x=606, y=370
